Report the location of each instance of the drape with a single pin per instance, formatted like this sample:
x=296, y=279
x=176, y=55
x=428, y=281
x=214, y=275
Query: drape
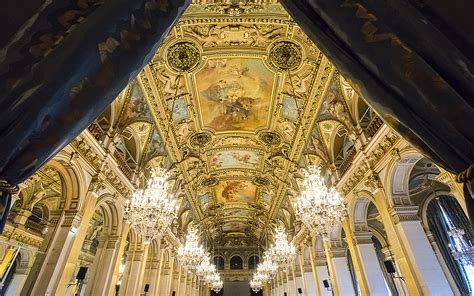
x=407, y=70
x=439, y=228
x=61, y=70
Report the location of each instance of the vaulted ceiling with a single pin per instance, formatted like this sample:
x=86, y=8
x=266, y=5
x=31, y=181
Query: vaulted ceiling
x=240, y=99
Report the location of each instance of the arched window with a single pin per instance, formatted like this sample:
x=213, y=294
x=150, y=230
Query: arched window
x=253, y=261
x=445, y=214
x=219, y=262
x=236, y=263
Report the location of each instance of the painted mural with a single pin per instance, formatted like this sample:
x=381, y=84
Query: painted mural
x=234, y=93
x=235, y=158
x=289, y=109
x=266, y=197
x=242, y=191
x=238, y=213
x=136, y=107
x=315, y=144
x=234, y=227
x=180, y=109
x=334, y=106
x=204, y=199
x=155, y=146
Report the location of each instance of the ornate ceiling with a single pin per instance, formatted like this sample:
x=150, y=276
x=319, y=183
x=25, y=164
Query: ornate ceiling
x=236, y=94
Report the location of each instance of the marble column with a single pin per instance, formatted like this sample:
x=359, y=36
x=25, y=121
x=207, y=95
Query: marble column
x=313, y=271
x=418, y=279
x=156, y=282
x=420, y=253
x=57, y=270
x=132, y=283
x=341, y=281
x=323, y=274
x=365, y=250
x=117, y=260
x=103, y=267
x=302, y=273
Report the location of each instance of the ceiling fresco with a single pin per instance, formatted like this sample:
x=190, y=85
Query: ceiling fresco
x=234, y=94
x=239, y=102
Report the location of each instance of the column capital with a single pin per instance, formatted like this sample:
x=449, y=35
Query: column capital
x=362, y=238
x=337, y=248
x=404, y=213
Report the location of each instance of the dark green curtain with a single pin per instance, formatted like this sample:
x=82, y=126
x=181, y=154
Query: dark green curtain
x=408, y=71
x=440, y=227
x=381, y=258
x=63, y=68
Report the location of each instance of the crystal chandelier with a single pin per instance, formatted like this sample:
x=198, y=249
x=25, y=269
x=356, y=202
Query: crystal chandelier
x=215, y=282
x=205, y=268
x=191, y=254
x=152, y=210
x=267, y=267
x=256, y=283
x=462, y=250
x=282, y=252
x=319, y=208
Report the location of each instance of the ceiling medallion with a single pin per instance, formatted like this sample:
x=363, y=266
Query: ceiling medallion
x=183, y=56
x=285, y=55
x=209, y=182
x=199, y=140
x=270, y=138
x=260, y=181
x=234, y=7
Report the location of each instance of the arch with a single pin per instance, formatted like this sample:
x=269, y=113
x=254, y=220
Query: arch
x=114, y=211
x=236, y=262
x=74, y=185
x=253, y=261
x=219, y=262
x=397, y=180
x=357, y=207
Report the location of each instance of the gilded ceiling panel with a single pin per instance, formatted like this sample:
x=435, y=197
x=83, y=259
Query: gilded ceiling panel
x=235, y=95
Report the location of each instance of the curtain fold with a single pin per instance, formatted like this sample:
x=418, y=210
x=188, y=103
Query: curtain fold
x=404, y=67
x=439, y=228
x=64, y=68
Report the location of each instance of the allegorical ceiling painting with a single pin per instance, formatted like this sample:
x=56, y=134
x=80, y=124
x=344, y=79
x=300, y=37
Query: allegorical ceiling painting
x=239, y=103
x=234, y=94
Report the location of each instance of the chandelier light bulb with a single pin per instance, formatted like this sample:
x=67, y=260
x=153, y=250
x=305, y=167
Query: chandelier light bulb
x=318, y=207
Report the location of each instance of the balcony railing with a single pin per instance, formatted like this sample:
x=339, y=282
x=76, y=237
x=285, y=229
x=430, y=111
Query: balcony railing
x=128, y=172
x=346, y=163
x=373, y=126
x=34, y=227
x=96, y=131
